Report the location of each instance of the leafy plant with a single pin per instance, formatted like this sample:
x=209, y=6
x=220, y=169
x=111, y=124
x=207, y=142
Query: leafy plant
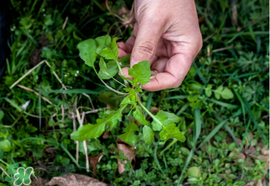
x=164, y=123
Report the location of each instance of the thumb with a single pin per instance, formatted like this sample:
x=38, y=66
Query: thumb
x=147, y=36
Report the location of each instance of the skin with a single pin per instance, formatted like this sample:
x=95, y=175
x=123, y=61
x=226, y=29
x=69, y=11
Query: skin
x=167, y=34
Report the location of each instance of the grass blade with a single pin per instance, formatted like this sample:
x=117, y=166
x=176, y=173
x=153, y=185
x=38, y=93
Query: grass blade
x=198, y=124
x=218, y=127
x=223, y=104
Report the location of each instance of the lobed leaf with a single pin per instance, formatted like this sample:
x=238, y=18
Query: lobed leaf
x=140, y=72
x=225, y=93
x=110, y=51
x=171, y=131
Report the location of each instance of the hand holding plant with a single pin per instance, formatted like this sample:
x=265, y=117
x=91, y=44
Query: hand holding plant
x=105, y=49
x=167, y=34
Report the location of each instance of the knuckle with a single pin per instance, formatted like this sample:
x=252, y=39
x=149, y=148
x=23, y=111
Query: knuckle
x=146, y=48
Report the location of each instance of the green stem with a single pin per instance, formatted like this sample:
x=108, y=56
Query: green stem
x=169, y=146
x=150, y=114
x=108, y=85
x=3, y=162
x=121, y=71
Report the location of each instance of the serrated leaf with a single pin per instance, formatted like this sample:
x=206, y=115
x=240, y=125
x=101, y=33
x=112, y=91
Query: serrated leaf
x=107, y=71
x=208, y=90
x=113, y=118
x=140, y=72
x=130, y=99
x=171, y=131
x=5, y=145
x=139, y=116
x=148, y=135
x=103, y=40
x=129, y=138
x=165, y=118
x=171, y=117
x=110, y=51
x=156, y=125
x=131, y=127
x=87, y=51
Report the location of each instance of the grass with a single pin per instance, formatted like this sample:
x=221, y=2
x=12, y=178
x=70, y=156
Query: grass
x=235, y=55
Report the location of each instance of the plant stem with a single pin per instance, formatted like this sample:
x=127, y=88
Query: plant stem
x=169, y=146
x=121, y=71
x=108, y=85
x=150, y=114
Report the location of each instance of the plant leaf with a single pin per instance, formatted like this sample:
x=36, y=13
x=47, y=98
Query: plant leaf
x=129, y=138
x=208, y=90
x=139, y=116
x=89, y=131
x=171, y=131
x=87, y=51
x=141, y=73
x=130, y=99
x=165, y=118
x=156, y=126
x=5, y=145
x=170, y=117
x=93, y=131
x=110, y=51
x=225, y=93
x=107, y=71
x=131, y=127
x=148, y=135
x=103, y=40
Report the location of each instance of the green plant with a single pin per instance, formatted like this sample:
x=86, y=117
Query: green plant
x=164, y=123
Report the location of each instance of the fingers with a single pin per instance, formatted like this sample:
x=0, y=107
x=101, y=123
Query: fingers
x=174, y=73
x=148, y=32
x=125, y=48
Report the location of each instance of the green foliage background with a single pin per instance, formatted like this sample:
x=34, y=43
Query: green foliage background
x=224, y=96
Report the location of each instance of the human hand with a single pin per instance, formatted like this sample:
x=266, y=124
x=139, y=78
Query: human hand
x=167, y=34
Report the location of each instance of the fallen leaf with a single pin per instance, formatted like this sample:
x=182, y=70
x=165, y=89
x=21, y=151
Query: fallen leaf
x=265, y=151
x=106, y=134
x=254, y=183
x=153, y=110
x=94, y=160
x=127, y=151
x=39, y=182
x=71, y=179
x=266, y=159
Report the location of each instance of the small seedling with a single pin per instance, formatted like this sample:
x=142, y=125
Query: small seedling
x=105, y=50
